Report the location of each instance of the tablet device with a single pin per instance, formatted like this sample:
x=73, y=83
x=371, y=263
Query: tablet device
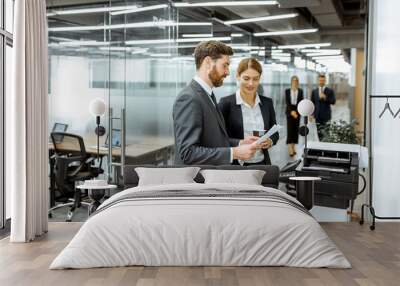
x=116, y=138
x=59, y=127
x=269, y=133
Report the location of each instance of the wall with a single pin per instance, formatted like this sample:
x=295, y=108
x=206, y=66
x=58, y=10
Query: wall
x=383, y=75
x=359, y=90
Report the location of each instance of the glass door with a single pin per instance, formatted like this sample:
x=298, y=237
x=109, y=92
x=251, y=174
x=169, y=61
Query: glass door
x=142, y=82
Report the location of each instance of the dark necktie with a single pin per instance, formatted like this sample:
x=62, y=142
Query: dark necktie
x=214, y=100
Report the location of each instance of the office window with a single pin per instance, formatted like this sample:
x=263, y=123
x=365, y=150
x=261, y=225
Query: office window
x=7, y=78
x=6, y=28
x=2, y=207
x=9, y=15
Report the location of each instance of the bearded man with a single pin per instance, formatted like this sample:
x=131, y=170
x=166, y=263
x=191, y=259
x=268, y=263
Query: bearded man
x=199, y=127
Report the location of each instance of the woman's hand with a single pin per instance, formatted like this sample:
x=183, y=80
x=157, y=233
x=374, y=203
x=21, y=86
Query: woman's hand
x=294, y=114
x=267, y=144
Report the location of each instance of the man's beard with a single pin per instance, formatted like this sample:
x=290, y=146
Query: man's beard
x=216, y=79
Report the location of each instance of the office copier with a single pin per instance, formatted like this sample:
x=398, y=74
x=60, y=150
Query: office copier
x=338, y=171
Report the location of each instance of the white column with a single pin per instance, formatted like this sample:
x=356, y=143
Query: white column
x=384, y=79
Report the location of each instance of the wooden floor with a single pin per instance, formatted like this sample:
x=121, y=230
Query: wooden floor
x=374, y=255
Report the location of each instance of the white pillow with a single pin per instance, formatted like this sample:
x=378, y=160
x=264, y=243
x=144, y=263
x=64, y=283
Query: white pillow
x=248, y=177
x=166, y=176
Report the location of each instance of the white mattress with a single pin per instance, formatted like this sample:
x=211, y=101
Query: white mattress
x=204, y=231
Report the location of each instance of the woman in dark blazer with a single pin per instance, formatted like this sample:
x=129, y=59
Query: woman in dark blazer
x=246, y=111
x=293, y=96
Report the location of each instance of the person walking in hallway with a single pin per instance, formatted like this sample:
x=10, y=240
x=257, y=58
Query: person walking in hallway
x=199, y=127
x=247, y=112
x=293, y=96
x=322, y=97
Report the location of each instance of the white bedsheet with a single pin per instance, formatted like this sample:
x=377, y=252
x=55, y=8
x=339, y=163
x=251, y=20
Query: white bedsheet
x=200, y=231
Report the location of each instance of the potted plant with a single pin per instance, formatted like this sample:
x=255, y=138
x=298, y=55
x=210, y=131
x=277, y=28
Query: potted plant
x=340, y=132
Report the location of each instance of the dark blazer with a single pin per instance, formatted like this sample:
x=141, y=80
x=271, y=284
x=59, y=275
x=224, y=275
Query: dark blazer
x=234, y=120
x=289, y=106
x=292, y=136
x=199, y=130
x=322, y=111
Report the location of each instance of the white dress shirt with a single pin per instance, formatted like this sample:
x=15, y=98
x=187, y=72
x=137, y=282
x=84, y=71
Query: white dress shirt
x=321, y=89
x=205, y=86
x=209, y=91
x=293, y=96
x=252, y=120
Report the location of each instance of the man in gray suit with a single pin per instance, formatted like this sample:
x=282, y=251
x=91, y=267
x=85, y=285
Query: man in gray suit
x=199, y=127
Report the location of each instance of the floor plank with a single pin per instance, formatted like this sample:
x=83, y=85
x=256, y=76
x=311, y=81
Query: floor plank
x=374, y=255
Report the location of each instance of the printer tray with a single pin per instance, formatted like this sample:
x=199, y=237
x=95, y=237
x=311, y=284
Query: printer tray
x=331, y=202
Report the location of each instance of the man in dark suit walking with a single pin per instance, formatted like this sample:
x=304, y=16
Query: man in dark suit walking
x=322, y=97
x=199, y=127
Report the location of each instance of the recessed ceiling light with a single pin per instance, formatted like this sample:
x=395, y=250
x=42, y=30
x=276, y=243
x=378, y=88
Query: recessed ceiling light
x=327, y=57
x=225, y=3
x=80, y=43
x=89, y=10
x=161, y=55
x=167, y=23
x=288, y=32
x=166, y=41
x=196, y=35
x=141, y=9
x=302, y=46
x=260, y=19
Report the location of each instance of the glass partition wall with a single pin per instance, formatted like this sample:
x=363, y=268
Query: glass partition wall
x=143, y=81
x=137, y=56
x=79, y=71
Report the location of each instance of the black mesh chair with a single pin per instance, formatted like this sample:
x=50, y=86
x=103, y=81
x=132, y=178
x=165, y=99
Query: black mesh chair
x=72, y=164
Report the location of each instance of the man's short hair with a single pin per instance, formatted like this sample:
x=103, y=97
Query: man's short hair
x=322, y=75
x=213, y=49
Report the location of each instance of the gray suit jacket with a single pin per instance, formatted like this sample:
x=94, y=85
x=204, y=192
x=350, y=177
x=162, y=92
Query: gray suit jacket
x=200, y=134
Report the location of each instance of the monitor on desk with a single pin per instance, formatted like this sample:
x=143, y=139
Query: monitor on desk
x=116, y=138
x=59, y=127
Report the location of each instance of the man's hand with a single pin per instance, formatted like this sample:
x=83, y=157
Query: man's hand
x=294, y=114
x=248, y=140
x=245, y=151
x=322, y=96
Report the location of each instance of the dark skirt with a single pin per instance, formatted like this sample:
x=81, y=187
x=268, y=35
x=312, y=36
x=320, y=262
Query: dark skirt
x=292, y=130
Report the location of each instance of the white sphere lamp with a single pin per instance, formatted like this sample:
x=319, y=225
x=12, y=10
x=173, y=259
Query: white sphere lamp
x=305, y=107
x=97, y=108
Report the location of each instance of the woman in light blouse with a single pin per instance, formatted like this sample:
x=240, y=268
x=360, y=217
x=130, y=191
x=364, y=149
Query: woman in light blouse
x=293, y=96
x=246, y=111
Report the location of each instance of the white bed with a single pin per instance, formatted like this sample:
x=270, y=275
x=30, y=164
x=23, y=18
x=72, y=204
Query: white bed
x=184, y=230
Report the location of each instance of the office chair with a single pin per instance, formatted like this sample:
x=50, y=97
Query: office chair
x=72, y=164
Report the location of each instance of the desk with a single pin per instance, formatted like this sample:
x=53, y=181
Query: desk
x=146, y=150
x=139, y=151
